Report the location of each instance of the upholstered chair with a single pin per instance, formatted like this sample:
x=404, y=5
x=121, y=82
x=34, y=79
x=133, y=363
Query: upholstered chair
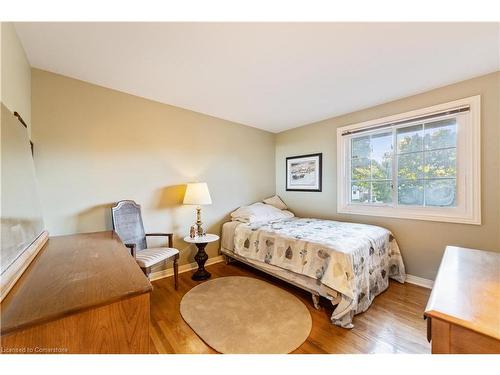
x=127, y=223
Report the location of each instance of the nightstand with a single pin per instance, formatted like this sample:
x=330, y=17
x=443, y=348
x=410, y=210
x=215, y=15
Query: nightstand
x=201, y=256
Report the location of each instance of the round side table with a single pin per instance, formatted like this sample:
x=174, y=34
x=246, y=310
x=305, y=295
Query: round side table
x=201, y=256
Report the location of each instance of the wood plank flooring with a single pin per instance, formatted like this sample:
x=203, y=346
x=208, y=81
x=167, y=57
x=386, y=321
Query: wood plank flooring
x=393, y=324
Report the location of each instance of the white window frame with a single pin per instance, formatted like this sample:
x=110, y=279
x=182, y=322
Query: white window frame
x=468, y=200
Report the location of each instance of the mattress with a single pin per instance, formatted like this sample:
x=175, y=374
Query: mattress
x=302, y=281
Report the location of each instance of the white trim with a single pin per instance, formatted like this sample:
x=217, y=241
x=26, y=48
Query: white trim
x=420, y=281
x=468, y=210
x=184, y=268
x=472, y=100
x=410, y=279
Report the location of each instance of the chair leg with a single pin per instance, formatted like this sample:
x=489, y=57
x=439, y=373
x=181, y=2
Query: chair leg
x=176, y=271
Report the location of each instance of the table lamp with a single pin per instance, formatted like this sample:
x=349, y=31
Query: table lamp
x=197, y=193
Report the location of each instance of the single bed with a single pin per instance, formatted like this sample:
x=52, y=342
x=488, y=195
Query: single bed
x=348, y=263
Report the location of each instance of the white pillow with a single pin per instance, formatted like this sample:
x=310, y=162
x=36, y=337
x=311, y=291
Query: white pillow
x=276, y=202
x=259, y=212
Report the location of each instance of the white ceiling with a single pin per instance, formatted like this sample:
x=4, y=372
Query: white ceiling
x=273, y=76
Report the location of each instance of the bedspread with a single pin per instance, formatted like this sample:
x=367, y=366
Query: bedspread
x=354, y=259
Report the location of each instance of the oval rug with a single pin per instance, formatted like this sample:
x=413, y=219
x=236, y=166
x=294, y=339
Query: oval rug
x=244, y=315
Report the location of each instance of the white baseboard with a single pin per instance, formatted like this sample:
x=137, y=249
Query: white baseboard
x=420, y=281
x=184, y=268
x=411, y=279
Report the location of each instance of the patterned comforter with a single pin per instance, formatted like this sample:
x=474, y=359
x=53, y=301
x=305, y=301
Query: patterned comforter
x=354, y=259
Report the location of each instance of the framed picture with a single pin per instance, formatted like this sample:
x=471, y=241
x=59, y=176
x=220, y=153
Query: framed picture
x=303, y=173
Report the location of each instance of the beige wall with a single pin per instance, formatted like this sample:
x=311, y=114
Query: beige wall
x=422, y=242
x=95, y=146
x=15, y=74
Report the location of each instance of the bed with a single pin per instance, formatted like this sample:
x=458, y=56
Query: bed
x=347, y=263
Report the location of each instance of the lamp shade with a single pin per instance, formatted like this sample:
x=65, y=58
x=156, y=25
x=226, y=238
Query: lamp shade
x=197, y=193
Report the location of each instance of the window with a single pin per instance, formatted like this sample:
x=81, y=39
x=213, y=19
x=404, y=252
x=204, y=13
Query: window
x=423, y=164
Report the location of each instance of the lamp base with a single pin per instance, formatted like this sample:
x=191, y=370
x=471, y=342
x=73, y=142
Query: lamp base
x=199, y=225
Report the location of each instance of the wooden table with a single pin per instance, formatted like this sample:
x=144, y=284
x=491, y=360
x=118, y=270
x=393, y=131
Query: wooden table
x=201, y=256
x=83, y=293
x=464, y=306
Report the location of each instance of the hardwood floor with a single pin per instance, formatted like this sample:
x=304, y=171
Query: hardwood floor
x=393, y=324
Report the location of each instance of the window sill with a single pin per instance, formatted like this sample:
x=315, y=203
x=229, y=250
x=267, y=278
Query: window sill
x=428, y=214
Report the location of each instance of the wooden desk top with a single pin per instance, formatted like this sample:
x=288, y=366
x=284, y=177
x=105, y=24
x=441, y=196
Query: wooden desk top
x=71, y=274
x=467, y=290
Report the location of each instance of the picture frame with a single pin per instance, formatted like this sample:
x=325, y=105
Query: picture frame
x=304, y=172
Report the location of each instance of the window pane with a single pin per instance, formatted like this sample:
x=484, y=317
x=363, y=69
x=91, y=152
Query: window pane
x=381, y=192
x=440, y=134
x=410, y=139
x=360, y=192
x=360, y=147
x=382, y=170
x=441, y=163
x=410, y=166
x=411, y=192
x=440, y=192
x=360, y=169
x=381, y=156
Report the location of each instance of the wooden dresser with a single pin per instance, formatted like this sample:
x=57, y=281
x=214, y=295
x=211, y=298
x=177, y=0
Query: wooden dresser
x=463, y=311
x=83, y=293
